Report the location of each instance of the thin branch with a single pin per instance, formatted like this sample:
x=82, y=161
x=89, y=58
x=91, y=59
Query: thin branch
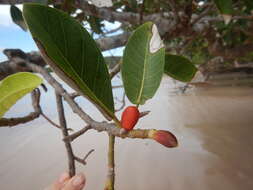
x=115, y=70
x=83, y=161
x=117, y=86
x=144, y=113
x=109, y=185
x=74, y=95
x=80, y=160
x=60, y=90
x=111, y=42
x=62, y=120
x=123, y=103
x=12, y=122
x=113, y=30
x=50, y=121
x=110, y=128
x=73, y=136
x=243, y=17
x=88, y=154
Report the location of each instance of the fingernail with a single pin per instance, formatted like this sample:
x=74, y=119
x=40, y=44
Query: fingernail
x=63, y=177
x=78, y=180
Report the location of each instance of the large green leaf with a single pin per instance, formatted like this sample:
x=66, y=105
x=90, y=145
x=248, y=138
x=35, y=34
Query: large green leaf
x=143, y=64
x=14, y=87
x=71, y=52
x=17, y=17
x=179, y=68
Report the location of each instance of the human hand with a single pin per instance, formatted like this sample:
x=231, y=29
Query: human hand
x=64, y=182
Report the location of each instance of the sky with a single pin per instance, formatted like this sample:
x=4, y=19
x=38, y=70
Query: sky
x=12, y=36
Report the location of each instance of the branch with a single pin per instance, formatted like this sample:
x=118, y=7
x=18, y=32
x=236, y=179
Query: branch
x=125, y=17
x=83, y=160
x=123, y=103
x=10, y=122
x=50, y=121
x=74, y=95
x=110, y=128
x=62, y=120
x=115, y=70
x=111, y=16
x=144, y=113
x=109, y=185
x=77, y=134
x=112, y=42
x=60, y=90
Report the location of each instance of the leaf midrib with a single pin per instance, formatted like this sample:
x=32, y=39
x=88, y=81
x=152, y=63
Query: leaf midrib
x=144, y=74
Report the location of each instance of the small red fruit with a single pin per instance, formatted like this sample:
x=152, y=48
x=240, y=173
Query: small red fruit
x=129, y=117
x=165, y=138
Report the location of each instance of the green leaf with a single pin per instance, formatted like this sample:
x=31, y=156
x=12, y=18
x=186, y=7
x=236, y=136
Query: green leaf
x=143, y=64
x=14, y=87
x=17, y=17
x=72, y=53
x=179, y=68
x=224, y=6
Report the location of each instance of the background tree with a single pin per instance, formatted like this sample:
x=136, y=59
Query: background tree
x=209, y=33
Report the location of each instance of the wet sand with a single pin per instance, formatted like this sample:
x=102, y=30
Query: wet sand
x=213, y=126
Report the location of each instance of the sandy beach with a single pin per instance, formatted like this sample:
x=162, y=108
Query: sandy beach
x=214, y=128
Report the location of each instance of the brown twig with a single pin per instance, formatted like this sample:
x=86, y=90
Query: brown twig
x=123, y=103
x=73, y=136
x=60, y=90
x=74, y=95
x=144, y=113
x=83, y=161
x=88, y=154
x=50, y=121
x=62, y=120
x=115, y=70
x=117, y=86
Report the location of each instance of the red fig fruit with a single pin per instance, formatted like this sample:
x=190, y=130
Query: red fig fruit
x=129, y=117
x=165, y=138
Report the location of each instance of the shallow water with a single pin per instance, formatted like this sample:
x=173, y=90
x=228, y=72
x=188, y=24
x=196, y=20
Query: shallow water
x=213, y=126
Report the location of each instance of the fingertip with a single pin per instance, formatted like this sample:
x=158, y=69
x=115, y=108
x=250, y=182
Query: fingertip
x=63, y=177
x=78, y=180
